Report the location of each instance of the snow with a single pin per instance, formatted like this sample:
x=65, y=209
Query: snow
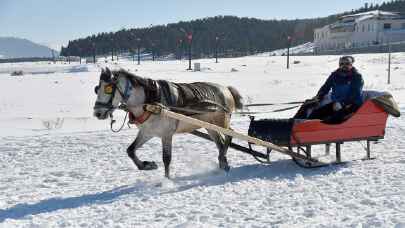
x=61, y=167
x=374, y=13
x=305, y=48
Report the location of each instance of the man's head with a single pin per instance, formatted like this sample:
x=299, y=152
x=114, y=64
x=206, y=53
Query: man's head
x=346, y=63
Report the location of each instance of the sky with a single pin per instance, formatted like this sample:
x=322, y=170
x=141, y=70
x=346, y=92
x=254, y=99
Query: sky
x=55, y=22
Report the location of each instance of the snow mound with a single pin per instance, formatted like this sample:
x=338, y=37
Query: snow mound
x=300, y=49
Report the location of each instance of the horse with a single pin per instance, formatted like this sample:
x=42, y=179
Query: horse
x=204, y=101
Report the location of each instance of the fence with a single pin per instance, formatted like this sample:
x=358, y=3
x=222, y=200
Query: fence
x=382, y=48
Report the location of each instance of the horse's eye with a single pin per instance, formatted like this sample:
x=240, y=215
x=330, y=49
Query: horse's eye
x=96, y=89
x=108, y=89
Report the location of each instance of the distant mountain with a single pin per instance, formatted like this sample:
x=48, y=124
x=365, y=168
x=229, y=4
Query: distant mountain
x=11, y=47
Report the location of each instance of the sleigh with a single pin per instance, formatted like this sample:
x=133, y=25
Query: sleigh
x=366, y=124
x=295, y=137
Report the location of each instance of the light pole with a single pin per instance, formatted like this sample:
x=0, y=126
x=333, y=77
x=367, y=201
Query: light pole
x=216, y=49
x=80, y=55
x=180, y=48
x=132, y=51
x=117, y=52
x=94, y=53
x=112, y=49
x=153, y=51
x=190, y=40
x=139, y=47
x=288, y=51
x=389, y=62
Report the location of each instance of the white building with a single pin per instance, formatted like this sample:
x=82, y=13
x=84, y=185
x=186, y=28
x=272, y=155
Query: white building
x=360, y=30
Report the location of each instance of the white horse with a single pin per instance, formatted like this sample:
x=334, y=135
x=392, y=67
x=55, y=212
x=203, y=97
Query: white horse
x=208, y=102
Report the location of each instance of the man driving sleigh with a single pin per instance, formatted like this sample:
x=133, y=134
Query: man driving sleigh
x=340, y=95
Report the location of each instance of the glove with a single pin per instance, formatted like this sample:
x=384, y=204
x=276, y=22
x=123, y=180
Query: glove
x=316, y=99
x=313, y=101
x=337, y=106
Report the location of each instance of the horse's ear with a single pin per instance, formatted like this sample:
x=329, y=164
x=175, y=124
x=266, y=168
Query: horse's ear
x=105, y=75
x=107, y=70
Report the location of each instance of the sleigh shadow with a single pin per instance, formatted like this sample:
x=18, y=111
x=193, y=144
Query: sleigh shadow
x=278, y=170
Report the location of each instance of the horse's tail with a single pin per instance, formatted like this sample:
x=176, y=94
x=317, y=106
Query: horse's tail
x=236, y=97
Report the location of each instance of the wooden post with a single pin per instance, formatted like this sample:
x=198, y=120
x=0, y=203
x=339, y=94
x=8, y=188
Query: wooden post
x=327, y=148
x=389, y=63
x=368, y=150
x=308, y=148
x=338, y=155
x=288, y=52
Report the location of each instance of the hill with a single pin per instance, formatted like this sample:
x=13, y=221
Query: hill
x=11, y=47
x=233, y=36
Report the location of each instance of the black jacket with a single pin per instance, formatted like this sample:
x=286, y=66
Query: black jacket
x=346, y=87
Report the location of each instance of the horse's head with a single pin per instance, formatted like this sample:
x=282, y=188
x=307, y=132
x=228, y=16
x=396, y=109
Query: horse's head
x=107, y=99
x=115, y=88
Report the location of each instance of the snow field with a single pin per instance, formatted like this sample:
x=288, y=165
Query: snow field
x=60, y=167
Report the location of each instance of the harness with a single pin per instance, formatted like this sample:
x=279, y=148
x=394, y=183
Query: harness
x=125, y=95
x=191, y=99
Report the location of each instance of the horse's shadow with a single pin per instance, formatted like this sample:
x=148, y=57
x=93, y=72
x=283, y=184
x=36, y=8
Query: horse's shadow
x=281, y=169
x=53, y=204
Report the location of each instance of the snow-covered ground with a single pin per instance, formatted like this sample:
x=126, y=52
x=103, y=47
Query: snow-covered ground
x=60, y=167
x=305, y=48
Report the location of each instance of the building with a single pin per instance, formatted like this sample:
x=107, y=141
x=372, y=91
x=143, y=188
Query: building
x=360, y=30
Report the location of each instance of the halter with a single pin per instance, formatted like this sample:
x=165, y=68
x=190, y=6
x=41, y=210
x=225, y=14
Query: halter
x=125, y=95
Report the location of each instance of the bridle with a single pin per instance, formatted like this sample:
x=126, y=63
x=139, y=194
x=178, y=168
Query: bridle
x=114, y=84
x=109, y=106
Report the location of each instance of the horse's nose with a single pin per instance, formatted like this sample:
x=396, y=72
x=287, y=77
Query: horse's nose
x=97, y=114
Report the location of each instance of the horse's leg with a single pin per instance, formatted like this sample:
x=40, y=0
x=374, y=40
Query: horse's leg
x=138, y=142
x=167, y=153
x=222, y=146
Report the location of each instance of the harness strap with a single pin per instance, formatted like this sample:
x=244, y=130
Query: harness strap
x=140, y=119
x=127, y=91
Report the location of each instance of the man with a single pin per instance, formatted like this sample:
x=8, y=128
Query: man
x=346, y=84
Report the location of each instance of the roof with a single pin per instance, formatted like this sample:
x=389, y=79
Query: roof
x=364, y=17
x=373, y=13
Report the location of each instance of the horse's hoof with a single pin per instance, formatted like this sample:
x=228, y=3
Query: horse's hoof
x=149, y=165
x=225, y=167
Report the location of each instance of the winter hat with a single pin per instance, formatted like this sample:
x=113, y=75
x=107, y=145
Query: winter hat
x=346, y=59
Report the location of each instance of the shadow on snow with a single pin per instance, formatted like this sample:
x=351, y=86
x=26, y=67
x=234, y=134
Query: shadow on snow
x=281, y=169
x=53, y=204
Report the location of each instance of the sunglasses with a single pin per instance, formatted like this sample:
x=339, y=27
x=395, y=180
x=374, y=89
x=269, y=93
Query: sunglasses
x=345, y=64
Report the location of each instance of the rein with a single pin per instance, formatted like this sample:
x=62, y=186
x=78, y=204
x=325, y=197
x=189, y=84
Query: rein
x=270, y=104
x=277, y=110
x=122, y=126
x=125, y=96
x=295, y=104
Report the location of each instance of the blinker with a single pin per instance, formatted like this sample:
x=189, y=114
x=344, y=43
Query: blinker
x=108, y=89
x=96, y=89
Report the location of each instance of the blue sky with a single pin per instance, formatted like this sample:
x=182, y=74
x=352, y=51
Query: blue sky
x=54, y=22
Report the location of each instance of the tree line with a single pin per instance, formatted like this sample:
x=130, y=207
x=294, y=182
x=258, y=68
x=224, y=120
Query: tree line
x=228, y=34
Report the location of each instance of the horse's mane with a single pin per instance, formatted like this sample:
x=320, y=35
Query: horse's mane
x=150, y=86
x=135, y=79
